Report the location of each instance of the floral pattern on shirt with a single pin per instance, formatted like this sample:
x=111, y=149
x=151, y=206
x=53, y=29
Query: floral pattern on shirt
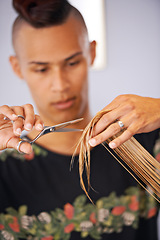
x=109, y=214
x=37, y=150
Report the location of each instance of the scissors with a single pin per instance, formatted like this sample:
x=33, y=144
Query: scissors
x=56, y=128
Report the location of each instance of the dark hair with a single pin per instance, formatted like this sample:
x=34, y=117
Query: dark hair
x=43, y=13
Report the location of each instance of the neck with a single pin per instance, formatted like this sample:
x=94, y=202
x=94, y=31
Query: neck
x=63, y=143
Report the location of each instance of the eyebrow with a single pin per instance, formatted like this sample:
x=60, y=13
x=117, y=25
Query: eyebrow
x=46, y=63
x=74, y=55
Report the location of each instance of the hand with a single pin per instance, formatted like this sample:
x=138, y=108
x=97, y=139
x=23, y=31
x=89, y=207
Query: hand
x=138, y=114
x=11, y=129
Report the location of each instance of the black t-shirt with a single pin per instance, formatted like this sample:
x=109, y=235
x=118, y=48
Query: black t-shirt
x=45, y=200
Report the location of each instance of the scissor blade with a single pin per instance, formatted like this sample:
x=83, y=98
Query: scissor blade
x=68, y=130
x=65, y=124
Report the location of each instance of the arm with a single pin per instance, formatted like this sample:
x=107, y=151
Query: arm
x=11, y=129
x=138, y=114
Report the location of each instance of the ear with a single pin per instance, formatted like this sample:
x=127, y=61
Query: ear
x=92, y=51
x=16, y=66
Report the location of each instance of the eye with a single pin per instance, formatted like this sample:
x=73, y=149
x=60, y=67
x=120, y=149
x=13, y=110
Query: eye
x=41, y=70
x=73, y=63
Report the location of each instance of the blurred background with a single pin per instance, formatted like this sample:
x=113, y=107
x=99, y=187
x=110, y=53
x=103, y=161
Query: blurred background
x=128, y=36
x=131, y=51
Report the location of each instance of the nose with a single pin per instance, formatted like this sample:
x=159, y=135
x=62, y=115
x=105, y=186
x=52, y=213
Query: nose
x=59, y=81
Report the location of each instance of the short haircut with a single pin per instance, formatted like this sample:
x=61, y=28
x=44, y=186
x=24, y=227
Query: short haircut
x=44, y=13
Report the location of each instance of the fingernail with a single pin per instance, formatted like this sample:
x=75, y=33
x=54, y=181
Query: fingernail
x=28, y=126
x=39, y=126
x=112, y=145
x=92, y=142
x=18, y=131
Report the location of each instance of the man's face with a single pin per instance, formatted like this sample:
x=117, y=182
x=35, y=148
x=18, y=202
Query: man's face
x=54, y=62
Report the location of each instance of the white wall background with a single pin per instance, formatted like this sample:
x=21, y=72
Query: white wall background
x=133, y=54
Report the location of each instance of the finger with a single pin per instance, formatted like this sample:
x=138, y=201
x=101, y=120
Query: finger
x=25, y=147
x=29, y=117
x=106, y=120
x=39, y=125
x=118, y=108
x=126, y=135
x=106, y=134
x=19, y=122
x=8, y=112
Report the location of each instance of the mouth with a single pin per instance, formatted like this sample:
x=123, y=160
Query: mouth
x=64, y=104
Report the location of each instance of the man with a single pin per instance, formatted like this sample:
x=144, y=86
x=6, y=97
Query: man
x=42, y=198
